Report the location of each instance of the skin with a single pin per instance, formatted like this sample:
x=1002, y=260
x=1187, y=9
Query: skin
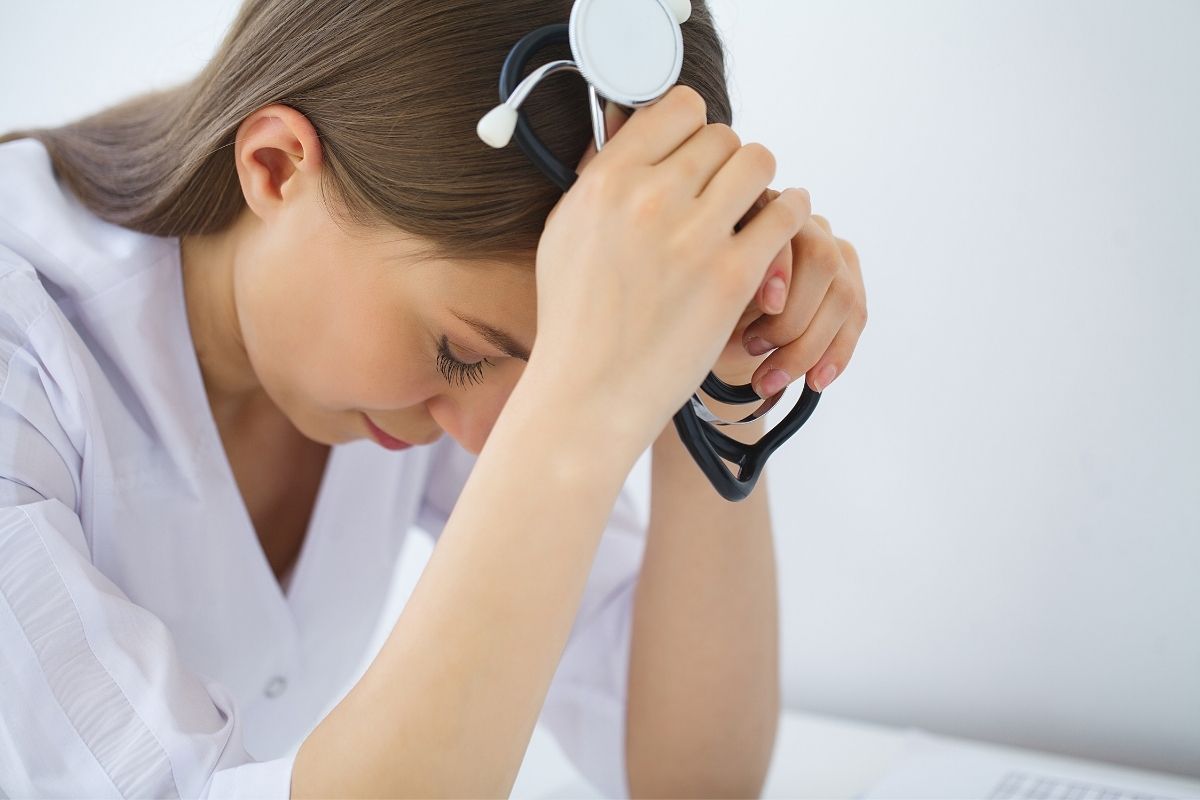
x=259, y=291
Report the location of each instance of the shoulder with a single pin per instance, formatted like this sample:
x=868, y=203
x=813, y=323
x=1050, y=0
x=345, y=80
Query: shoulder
x=39, y=393
x=23, y=301
x=62, y=267
x=75, y=254
x=73, y=289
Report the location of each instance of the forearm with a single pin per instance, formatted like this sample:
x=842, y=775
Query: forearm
x=449, y=705
x=703, y=700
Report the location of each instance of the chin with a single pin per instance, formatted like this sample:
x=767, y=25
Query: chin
x=323, y=430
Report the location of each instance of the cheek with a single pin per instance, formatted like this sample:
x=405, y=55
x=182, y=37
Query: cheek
x=316, y=339
x=353, y=352
x=370, y=360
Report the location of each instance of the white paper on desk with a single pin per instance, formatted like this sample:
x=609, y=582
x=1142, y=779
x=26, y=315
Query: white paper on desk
x=932, y=769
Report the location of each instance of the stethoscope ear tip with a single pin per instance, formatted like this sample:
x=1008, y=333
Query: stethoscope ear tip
x=496, y=127
x=682, y=9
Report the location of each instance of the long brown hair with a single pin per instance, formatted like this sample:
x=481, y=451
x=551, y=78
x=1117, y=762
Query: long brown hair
x=394, y=89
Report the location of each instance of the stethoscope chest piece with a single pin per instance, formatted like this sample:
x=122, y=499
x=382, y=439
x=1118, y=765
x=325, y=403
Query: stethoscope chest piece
x=631, y=51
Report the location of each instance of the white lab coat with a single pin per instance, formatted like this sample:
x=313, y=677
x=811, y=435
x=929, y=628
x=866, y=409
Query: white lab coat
x=146, y=648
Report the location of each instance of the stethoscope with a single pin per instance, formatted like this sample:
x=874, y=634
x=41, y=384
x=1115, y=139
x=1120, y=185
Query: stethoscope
x=630, y=52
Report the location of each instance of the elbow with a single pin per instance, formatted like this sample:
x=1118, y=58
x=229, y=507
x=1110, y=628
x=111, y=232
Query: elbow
x=721, y=766
x=714, y=780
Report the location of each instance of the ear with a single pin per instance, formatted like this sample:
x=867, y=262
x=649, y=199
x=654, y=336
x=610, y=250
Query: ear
x=278, y=154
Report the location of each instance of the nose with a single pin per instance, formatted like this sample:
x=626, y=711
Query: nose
x=469, y=421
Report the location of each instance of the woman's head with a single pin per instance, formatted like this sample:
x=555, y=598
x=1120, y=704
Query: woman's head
x=324, y=165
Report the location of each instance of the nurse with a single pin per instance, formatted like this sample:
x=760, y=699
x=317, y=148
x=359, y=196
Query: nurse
x=254, y=327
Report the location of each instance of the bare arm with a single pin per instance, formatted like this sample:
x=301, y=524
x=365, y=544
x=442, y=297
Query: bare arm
x=703, y=699
x=448, y=706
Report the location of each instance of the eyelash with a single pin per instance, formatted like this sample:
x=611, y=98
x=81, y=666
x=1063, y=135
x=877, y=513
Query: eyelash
x=453, y=369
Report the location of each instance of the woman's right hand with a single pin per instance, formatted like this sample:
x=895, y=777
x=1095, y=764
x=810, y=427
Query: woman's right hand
x=641, y=278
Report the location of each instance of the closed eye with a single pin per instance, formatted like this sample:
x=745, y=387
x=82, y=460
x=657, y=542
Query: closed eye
x=456, y=370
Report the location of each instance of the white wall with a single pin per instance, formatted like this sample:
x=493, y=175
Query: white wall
x=991, y=525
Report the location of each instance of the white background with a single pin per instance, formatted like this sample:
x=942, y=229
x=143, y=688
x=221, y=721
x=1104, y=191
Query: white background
x=991, y=525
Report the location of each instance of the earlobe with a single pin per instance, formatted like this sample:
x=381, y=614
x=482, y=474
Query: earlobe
x=275, y=149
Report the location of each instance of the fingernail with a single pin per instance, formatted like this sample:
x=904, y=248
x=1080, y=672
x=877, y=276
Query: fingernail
x=774, y=295
x=756, y=346
x=772, y=382
x=826, y=376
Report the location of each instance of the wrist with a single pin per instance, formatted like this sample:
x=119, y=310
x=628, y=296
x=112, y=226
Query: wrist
x=587, y=419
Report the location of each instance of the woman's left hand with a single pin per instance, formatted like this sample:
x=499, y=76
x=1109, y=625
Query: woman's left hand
x=822, y=310
x=813, y=321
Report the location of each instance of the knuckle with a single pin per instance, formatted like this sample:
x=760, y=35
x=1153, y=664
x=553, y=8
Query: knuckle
x=848, y=251
x=611, y=185
x=647, y=199
x=844, y=295
x=599, y=180
x=761, y=158
x=798, y=358
x=690, y=99
x=831, y=266
x=800, y=214
x=726, y=136
x=789, y=218
x=780, y=331
x=827, y=255
x=859, y=312
x=789, y=215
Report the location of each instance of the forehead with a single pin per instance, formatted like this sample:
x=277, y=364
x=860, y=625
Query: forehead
x=494, y=283
x=501, y=294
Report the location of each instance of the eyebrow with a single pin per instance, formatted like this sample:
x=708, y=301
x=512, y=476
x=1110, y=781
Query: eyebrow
x=507, y=344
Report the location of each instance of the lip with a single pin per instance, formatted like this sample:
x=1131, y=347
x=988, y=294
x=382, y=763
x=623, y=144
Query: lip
x=383, y=439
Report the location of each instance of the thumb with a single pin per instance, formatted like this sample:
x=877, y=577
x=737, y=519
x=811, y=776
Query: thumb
x=614, y=118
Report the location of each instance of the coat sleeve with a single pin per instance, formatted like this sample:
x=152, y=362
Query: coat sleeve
x=585, y=705
x=95, y=701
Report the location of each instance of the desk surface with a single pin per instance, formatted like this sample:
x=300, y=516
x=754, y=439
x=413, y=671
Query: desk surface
x=815, y=757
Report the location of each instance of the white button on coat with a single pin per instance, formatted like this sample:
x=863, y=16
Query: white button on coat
x=146, y=648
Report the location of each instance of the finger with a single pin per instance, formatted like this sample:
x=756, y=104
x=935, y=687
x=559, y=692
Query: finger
x=772, y=295
x=817, y=262
x=850, y=256
x=658, y=129
x=734, y=196
x=836, y=358
x=824, y=223
x=758, y=242
x=700, y=158
x=771, y=300
x=830, y=340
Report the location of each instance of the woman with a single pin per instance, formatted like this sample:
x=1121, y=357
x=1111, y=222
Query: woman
x=237, y=319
